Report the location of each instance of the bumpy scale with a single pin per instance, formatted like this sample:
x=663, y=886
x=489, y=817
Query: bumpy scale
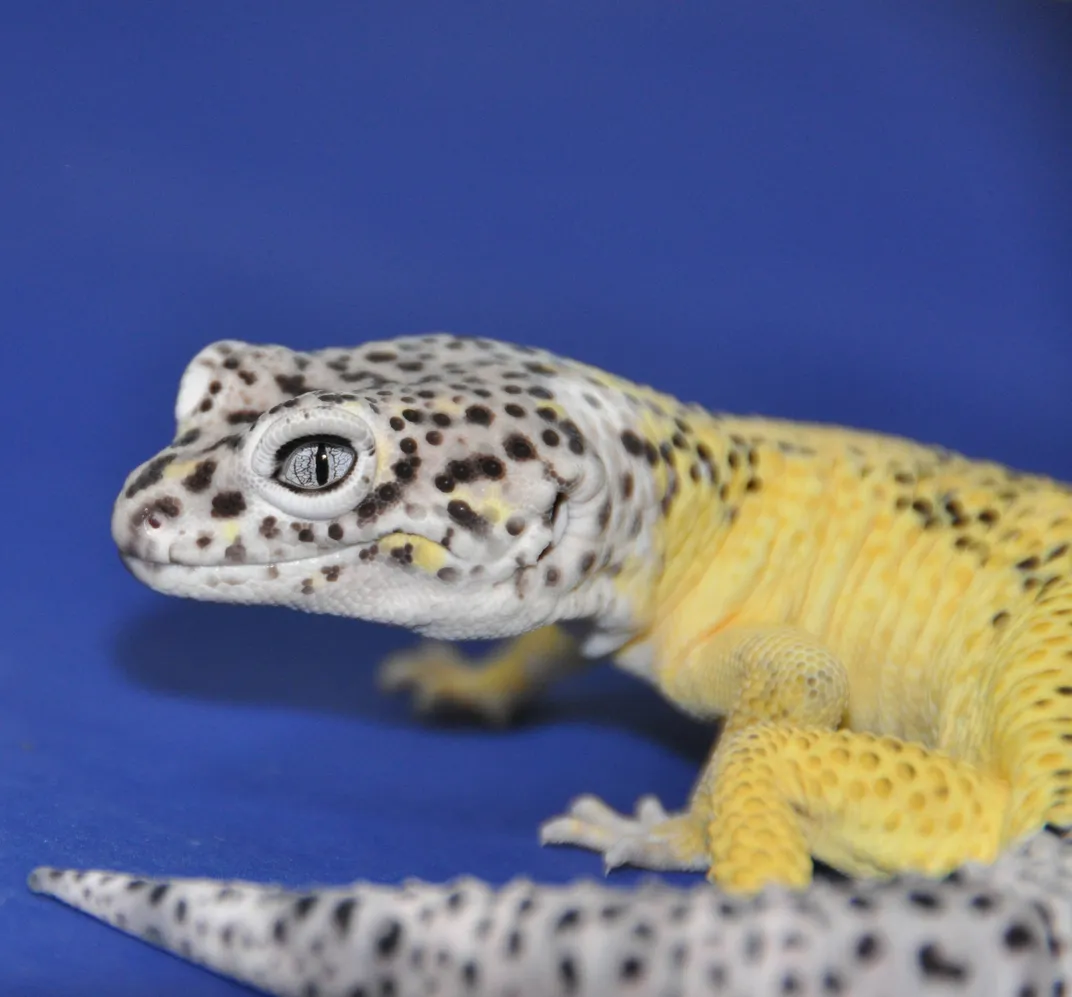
x=884, y=628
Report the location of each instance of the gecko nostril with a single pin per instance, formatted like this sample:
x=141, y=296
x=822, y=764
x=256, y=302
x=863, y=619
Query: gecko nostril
x=153, y=522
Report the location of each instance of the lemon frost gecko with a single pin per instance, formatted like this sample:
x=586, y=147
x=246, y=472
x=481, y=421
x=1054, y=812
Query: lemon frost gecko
x=884, y=630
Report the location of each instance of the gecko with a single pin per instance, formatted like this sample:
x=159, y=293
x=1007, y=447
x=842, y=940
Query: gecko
x=880, y=630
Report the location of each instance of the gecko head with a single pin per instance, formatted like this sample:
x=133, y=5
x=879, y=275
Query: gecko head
x=388, y=483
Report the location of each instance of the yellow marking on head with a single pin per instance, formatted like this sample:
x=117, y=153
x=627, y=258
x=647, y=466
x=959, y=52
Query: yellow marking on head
x=180, y=469
x=425, y=554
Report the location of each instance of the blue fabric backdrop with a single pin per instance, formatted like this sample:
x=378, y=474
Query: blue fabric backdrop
x=858, y=212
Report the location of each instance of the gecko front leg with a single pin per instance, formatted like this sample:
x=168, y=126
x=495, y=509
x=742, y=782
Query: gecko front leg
x=493, y=689
x=651, y=839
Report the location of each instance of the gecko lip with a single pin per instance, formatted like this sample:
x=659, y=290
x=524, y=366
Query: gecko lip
x=144, y=568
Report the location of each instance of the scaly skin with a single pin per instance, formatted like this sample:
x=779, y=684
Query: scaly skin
x=884, y=627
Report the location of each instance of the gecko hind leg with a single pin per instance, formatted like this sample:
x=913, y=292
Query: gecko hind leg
x=651, y=839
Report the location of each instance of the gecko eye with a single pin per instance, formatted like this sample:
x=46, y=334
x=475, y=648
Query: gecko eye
x=315, y=463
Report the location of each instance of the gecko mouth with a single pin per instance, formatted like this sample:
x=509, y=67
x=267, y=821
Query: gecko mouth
x=149, y=569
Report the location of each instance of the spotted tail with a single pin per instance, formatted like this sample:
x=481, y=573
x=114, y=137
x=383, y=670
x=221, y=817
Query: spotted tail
x=998, y=930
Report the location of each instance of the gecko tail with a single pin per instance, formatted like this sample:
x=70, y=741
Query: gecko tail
x=1005, y=928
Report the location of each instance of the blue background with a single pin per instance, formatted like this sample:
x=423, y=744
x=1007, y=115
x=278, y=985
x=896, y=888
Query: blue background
x=859, y=212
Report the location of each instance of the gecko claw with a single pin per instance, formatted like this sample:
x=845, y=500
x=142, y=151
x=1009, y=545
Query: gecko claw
x=651, y=839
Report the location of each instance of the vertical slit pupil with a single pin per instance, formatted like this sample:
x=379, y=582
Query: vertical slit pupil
x=323, y=470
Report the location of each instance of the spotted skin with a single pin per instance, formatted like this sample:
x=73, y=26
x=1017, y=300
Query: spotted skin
x=884, y=628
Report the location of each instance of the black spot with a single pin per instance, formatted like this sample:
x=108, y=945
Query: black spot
x=303, y=905
x=444, y=482
x=201, y=477
x=938, y=967
x=291, y=384
x=983, y=902
x=538, y=391
x=479, y=415
x=306, y=535
x=335, y=531
x=924, y=900
x=518, y=448
x=180, y=912
x=868, y=947
x=447, y=574
x=515, y=526
x=387, y=493
x=380, y=356
x=552, y=577
x=150, y=474
x=403, y=470
x=279, y=930
x=245, y=415
x=231, y=363
x=550, y=437
x=190, y=436
x=587, y=562
x=1019, y=937
x=460, y=470
x=389, y=939
x=470, y=974
x=632, y=443
x=441, y=419
x=515, y=410
x=227, y=505
x=576, y=440
x=999, y=619
x=832, y=983
x=491, y=467
x=567, y=975
x=168, y=506
x=514, y=944
x=157, y=893
x=434, y=436
x=568, y=920
x=463, y=514
x=631, y=970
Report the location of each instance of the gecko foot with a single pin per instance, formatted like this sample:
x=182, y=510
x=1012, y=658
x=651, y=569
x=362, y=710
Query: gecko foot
x=438, y=676
x=652, y=839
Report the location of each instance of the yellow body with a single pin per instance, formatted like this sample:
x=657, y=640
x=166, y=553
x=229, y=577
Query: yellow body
x=886, y=629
